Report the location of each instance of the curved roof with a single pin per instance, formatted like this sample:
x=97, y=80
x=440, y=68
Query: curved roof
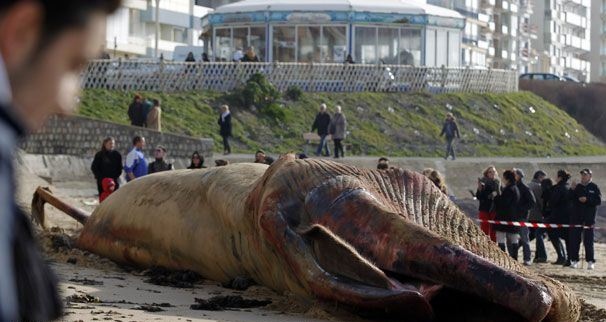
x=384, y=6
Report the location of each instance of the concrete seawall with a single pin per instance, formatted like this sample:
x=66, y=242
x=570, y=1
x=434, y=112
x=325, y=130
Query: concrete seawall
x=82, y=137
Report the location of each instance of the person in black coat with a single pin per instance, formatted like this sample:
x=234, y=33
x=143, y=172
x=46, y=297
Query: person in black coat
x=450, y=130
x=225, y=124
x=586, y=196
x=527, y=202
x=506, y=210
x=135, y=111
x=107, y=163
x=321, y=123
x=559, y=213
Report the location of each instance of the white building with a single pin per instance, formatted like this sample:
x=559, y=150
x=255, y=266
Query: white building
x=598, y=41
x=405, y=32
x=132, y=29
x=564, y=45
x=476, y=47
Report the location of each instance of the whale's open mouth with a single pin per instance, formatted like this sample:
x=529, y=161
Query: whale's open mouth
x=348, y=248
x=376, y=292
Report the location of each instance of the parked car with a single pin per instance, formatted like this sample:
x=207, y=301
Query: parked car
x=542, y=76
x=571, y=79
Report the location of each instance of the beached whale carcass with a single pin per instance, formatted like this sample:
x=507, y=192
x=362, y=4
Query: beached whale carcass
x=376, y=241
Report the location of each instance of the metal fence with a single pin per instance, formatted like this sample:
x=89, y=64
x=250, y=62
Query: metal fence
x=146, y=75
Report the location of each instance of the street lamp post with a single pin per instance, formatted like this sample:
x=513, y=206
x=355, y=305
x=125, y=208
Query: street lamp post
x=157, y=28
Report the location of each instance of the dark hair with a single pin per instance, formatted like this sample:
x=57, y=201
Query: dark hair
x=192, y=165
x=538, y=174
x=564, y=175
x=137, y=139
x=383, y=159
x=61, y=15
x=382, y=166
x=510, y=176
x=546, y=184
x=107, y=139
x=259, y=151
x=156, y=102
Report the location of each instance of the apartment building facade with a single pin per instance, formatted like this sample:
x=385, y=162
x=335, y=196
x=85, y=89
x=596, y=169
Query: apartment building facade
x=131, y=31
x=564, y=46
x=476, y=45
x=598, y=41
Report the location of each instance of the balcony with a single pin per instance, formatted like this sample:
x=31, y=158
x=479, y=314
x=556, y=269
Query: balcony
x=574, y=19
x=575, y=44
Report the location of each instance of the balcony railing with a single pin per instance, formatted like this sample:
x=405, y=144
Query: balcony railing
x=145, y=75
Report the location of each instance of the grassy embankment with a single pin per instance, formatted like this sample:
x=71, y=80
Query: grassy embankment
x=379, y=123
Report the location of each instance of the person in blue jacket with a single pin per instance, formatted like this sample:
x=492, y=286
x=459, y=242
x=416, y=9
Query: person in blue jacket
x=136, y=165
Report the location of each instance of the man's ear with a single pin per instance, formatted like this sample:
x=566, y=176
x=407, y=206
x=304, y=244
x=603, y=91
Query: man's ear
x=20, y=33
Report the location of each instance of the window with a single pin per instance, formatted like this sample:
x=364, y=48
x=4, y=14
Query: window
x=334, y=44
x=410, y=46
x=365, y=45
x=135, y=27
x=257, y=40
x=442, y=48
x=179, y=35
x=453, y=49
x=284, y=44
x=388, y=45
x=308, y=44
x=430, y=47
x=166, y=32
x=240, y=43
x=223, y=44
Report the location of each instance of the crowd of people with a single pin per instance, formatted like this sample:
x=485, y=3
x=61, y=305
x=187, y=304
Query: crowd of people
x=107, y=165
x=543, y=200
x=145, y=113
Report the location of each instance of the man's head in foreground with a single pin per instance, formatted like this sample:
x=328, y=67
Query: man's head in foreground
x=44, y=45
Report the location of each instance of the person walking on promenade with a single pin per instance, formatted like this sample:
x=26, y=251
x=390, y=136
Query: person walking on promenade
x=225, y=130
x=488, y=188
x=107, y=163
x=338, y=130
x=536, y=216
x=586, y=196
x=136, y=165
x=321, y=123
x=527, y=202
x=154, y=116
x=44, y=46
x=559, y=205
x=450, y=130
x=507, y=210
x=135, y=111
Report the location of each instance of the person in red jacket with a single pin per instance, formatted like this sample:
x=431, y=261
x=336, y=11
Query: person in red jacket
x=108, y=185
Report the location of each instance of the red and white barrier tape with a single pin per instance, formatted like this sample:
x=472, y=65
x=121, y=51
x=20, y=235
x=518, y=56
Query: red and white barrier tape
x=534, y=225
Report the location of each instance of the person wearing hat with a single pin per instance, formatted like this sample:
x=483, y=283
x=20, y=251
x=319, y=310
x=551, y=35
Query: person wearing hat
x=159, y=164
x=527, y=202
x=586, y=196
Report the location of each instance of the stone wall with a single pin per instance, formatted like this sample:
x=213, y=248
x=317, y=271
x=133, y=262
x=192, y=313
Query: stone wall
x=81, y=136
